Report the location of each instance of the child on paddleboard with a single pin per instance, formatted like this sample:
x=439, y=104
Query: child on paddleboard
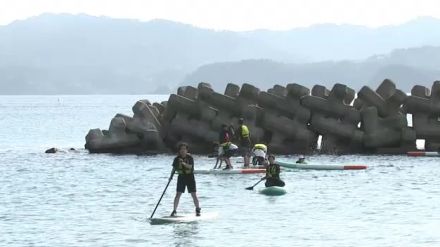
x=226, y=151
x=273, y=173
x=183, y=164
x=259, y=152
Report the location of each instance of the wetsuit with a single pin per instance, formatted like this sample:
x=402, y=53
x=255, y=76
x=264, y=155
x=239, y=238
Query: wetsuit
x=186, y=176
x=273, y=176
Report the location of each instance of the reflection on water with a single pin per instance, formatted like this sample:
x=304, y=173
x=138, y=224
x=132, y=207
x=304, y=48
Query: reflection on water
x=185, y=233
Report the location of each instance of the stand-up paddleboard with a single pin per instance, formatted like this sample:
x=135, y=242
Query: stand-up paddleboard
x=230, y=171
x=252, y=167
x=187, y=218
x=423, y=153
x=321, y=167
x=273, y=191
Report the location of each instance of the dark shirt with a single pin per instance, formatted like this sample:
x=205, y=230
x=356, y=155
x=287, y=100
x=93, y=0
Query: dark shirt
x=180, y=169
x=273, y=170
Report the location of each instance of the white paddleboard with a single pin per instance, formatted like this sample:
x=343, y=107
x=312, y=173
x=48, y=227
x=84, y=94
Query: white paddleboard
x=230, y=171
x=187, y=218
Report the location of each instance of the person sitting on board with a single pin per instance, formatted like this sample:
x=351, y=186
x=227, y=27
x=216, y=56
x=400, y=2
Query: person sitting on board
x=226, y=151
x=273, y=173
x=259, y=152
x=245, y=142
x=301, y=160
x=183, y=164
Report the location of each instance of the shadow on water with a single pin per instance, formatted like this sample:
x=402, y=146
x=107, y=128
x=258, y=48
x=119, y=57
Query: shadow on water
x=184, y=234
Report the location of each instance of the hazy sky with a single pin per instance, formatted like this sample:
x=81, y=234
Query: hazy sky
x=235, y=15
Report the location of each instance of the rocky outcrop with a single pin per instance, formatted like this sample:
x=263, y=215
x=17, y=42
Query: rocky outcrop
x=384, y=120
x=138, y=134
x=285, y=120
x=424, y=105
x=335, y=119
x=289, y=119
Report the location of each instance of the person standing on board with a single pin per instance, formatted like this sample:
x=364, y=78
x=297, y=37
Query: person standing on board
x=183, y=164
x=245, y=142
x=273, y=173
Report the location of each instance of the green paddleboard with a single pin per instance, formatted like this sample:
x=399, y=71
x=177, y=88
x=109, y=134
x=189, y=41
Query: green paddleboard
x=273, y=191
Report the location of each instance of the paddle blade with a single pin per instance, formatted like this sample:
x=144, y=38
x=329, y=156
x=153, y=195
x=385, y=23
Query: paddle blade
x=250, y=188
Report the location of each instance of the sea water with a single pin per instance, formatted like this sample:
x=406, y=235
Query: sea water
x=81, y=199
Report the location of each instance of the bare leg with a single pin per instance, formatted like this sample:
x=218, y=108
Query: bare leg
x=195, y=199
x=176, y=200
x=220, y=162
x=246, y=160
x=216, y=163
x=228, y=162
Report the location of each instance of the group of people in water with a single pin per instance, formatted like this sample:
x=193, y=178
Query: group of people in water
x=183, y=164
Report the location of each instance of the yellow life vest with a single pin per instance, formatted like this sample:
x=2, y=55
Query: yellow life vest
x=244, y=131
x=228, y=146
x=272, y=171
x=180, y=169
x=261, y=146
x=225, y=144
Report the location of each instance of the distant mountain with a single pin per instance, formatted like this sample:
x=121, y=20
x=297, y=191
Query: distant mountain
x=406, y=67
x=350, y=42
x=80, y=54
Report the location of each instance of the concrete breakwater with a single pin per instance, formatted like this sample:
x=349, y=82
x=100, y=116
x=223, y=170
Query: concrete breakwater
x=289, y=119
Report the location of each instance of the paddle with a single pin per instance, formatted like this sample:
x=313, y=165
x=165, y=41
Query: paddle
x=252, y=187
x=160, y=199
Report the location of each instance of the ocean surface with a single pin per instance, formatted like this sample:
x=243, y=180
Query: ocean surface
x=81, y=199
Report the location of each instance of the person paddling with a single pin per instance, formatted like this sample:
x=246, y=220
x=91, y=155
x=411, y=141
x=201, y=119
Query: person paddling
x=273, y=173
x=183, y=164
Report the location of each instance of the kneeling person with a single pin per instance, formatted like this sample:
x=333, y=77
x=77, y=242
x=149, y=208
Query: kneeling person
x=259, y=152
x=273, y=173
